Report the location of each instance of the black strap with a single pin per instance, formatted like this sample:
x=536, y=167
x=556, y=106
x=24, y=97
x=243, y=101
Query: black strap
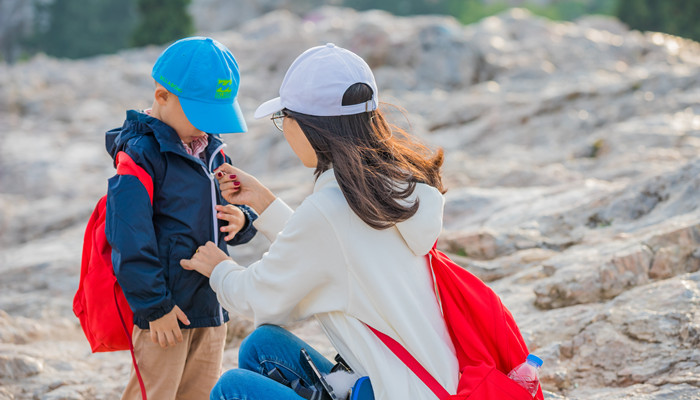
x=340, y=365
x=315, y=392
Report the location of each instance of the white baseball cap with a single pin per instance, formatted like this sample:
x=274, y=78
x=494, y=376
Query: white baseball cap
x=317, y=80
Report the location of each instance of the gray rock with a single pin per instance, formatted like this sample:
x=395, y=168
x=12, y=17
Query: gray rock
x=628, y=341
x=19, y=366
x=5, y=394
x=626, y=270
x=217, y=15
x=673, y=252
x=70, y=393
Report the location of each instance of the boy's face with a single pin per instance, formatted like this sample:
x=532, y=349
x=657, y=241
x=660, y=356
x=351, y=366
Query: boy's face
x=170, y=112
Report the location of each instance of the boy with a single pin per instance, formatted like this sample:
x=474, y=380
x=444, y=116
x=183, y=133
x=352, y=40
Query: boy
x=196, y=86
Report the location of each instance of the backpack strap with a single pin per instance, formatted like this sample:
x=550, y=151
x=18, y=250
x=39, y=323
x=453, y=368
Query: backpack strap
x=412, y=364
x=127, y=166
x=131, y=344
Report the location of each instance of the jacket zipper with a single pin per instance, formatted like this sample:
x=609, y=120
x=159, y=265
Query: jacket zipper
x=215, y=220
x=212, y=185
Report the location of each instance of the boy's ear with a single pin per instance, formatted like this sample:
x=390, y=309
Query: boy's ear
x=161, y=95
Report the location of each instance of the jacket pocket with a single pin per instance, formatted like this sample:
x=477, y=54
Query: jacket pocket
x=183, y=284
x=177, y=250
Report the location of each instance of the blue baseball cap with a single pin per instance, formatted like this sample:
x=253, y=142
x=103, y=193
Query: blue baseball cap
x=204, y=76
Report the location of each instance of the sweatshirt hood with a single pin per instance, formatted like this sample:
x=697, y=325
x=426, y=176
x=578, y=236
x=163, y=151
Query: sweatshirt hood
x=421, y=231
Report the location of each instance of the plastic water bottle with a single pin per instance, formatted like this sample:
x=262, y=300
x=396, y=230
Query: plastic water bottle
x=525, y=374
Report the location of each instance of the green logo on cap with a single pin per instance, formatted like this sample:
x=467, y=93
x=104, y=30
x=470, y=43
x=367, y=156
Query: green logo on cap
x=223, y=91
x=170, y=84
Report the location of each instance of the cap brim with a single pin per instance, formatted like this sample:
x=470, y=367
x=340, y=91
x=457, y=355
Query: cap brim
x=269, y=107
x=214, y=117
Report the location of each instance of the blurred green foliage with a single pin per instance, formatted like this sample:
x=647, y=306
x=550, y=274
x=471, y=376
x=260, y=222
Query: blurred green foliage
x=469, y=11
x=402, y=7
x=573, y=9
x=677, y=17
x=160, y=24
x=83, y=28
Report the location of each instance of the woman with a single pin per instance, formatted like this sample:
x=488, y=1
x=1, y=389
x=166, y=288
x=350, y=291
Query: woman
x=352, y=254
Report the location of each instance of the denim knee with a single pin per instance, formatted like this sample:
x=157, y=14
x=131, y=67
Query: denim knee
x=232, y=378
x=248, y=352
x=241, y=384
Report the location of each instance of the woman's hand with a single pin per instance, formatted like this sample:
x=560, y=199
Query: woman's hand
x=238, y=187
x=205, y=259
x=235, y=218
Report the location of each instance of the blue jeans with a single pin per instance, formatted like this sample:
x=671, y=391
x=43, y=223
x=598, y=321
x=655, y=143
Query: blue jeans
x=268, y=347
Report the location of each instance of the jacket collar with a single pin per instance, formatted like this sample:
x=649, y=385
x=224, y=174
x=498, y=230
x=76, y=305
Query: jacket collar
x=167, y=138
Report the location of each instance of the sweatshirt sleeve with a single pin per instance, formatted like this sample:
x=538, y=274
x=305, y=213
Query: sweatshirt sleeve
x=303, y=273
x=130, y=231
x=271, y=222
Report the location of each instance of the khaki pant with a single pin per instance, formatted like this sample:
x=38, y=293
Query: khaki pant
x=187, y=371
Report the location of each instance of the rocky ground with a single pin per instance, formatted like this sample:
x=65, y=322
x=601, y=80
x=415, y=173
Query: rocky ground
x=572, y=162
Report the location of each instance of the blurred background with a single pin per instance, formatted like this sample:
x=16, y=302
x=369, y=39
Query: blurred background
x=83, y=28
x=571, y=132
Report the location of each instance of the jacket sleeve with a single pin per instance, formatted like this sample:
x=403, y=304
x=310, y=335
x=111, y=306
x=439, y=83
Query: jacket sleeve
x=130, y=231
x=248, y=231
x=302, y=274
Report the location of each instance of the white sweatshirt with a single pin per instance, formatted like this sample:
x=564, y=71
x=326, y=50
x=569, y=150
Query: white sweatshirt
x=326, y=262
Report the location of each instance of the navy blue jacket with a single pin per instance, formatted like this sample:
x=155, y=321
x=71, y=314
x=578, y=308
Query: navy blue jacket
x=148, y=241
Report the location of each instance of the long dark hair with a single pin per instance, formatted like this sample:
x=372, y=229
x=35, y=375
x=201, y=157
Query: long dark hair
x=377, y=165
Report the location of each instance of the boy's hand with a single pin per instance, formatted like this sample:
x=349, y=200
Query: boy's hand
x=165, y=330
x=239, y=187
x=235, y=218
x=205, y=259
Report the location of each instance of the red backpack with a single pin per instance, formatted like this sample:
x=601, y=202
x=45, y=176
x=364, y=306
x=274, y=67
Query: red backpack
x=486, y=339
x=105, y=315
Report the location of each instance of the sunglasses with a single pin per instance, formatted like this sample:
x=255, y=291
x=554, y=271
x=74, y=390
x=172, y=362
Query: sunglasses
x=278, y=119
